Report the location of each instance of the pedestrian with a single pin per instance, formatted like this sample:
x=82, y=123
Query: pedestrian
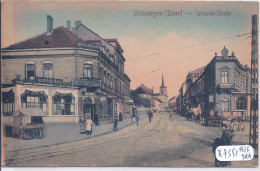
x=150, y=115
x=120, y=117
x=137, y=117
x=133, y=115
x=96, y=119
x=89, y=126
x=82, y=126
x=115, y=124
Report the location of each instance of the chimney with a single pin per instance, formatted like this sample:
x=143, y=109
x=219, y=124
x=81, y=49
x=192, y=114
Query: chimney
x=68, y=24
x=77, y=23
x=49, y=24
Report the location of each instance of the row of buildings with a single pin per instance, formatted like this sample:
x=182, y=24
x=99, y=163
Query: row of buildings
x=222, y=88
x=158, y=101
x=67, y=72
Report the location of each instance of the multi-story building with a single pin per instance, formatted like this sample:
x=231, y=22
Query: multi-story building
x=66, y=75
x=223, y=87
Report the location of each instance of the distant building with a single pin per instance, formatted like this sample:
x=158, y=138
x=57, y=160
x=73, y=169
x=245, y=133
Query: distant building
x=145, y=92
x=162, y=96
x=173, y=103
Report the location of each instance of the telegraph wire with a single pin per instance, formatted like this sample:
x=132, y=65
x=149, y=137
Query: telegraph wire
x=171, y=64
x=143, y=56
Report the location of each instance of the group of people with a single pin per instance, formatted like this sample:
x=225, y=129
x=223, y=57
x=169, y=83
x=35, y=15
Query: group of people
x=86, y=124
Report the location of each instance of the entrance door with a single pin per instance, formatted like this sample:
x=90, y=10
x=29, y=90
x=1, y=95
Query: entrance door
x=88, y=108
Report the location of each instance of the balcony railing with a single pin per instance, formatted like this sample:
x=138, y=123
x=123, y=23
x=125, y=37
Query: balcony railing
x=87, y=82
x=49, y=80
x=39, y=80
x=225, y=87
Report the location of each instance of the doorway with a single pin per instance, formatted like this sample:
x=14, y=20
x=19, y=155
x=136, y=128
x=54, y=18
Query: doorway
x=89, y=108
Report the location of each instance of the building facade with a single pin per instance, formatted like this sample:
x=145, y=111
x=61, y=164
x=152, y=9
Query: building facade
x=65, y=75
x=222, y=87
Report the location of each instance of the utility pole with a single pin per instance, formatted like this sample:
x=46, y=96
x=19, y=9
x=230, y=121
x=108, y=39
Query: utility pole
x=253, y=134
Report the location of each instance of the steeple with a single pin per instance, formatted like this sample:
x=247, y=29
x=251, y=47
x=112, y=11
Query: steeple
x=163, y=88
x=163, y=84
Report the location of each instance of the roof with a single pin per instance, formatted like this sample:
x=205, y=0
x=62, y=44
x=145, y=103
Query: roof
x=143, y=89
x=92, y=41
x=172, y=98
x=196, y=72
x=60, y=37
x=30, y=112
x=116, y=42
x=159, y=100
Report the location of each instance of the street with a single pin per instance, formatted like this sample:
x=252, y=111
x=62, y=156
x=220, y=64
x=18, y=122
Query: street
x=163, y=142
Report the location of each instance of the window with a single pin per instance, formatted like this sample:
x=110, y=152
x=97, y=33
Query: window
x=8, y=103
x=241, y=103
x=224, y=77
x=47, y=70
x=30, y=71
x=224, y=105
x=88, y=69
x=33, y=102
x=64, y=104
x=32, y=99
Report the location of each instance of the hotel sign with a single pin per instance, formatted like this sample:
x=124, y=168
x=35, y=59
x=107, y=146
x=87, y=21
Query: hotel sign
x=87, y=83
x=88, y=45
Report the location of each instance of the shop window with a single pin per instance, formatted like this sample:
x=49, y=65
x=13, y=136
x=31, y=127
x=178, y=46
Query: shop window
x=63, y=104
x=31, y=99
x=8, y=103
x=47, y=70
x=241, y=103
x=88, y=71
x=30, y=71
x=224, y=77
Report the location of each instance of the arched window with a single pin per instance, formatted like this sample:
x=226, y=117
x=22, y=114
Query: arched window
x=241, y=103
x=88, y=71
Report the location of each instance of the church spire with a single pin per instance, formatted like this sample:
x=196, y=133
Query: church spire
x=163, y=84
x=163, y=88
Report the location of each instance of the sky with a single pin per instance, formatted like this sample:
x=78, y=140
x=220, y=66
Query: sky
x=153, y=45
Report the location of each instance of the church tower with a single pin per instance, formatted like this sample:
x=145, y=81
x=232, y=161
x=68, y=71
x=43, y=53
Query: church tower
x=163, y=88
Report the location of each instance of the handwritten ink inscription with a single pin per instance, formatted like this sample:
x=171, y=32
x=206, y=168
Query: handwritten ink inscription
x=234, y=153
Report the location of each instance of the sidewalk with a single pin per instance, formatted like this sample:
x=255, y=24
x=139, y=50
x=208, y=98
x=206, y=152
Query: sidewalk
x=58, y=133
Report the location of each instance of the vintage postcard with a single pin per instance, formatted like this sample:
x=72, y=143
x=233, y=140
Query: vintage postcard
x=129, y=84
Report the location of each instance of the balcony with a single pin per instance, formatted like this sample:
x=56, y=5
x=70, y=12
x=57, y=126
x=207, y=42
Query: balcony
x=48, y=80
x=39, y=80
x=224, y=87
x=87, y=82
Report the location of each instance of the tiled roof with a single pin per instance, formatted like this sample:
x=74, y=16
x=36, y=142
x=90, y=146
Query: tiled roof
x=196, y=73
x=159, y=100
x=92, y=41
x=60, y=37
x=144, y=89
x=172, y=98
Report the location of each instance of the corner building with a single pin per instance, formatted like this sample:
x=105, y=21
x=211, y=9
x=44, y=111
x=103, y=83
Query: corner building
x=65, y=75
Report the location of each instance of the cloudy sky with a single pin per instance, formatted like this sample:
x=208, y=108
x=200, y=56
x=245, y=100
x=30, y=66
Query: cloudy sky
x=168, y=45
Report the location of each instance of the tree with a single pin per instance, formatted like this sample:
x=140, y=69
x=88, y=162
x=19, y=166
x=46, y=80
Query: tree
x=138, y=100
